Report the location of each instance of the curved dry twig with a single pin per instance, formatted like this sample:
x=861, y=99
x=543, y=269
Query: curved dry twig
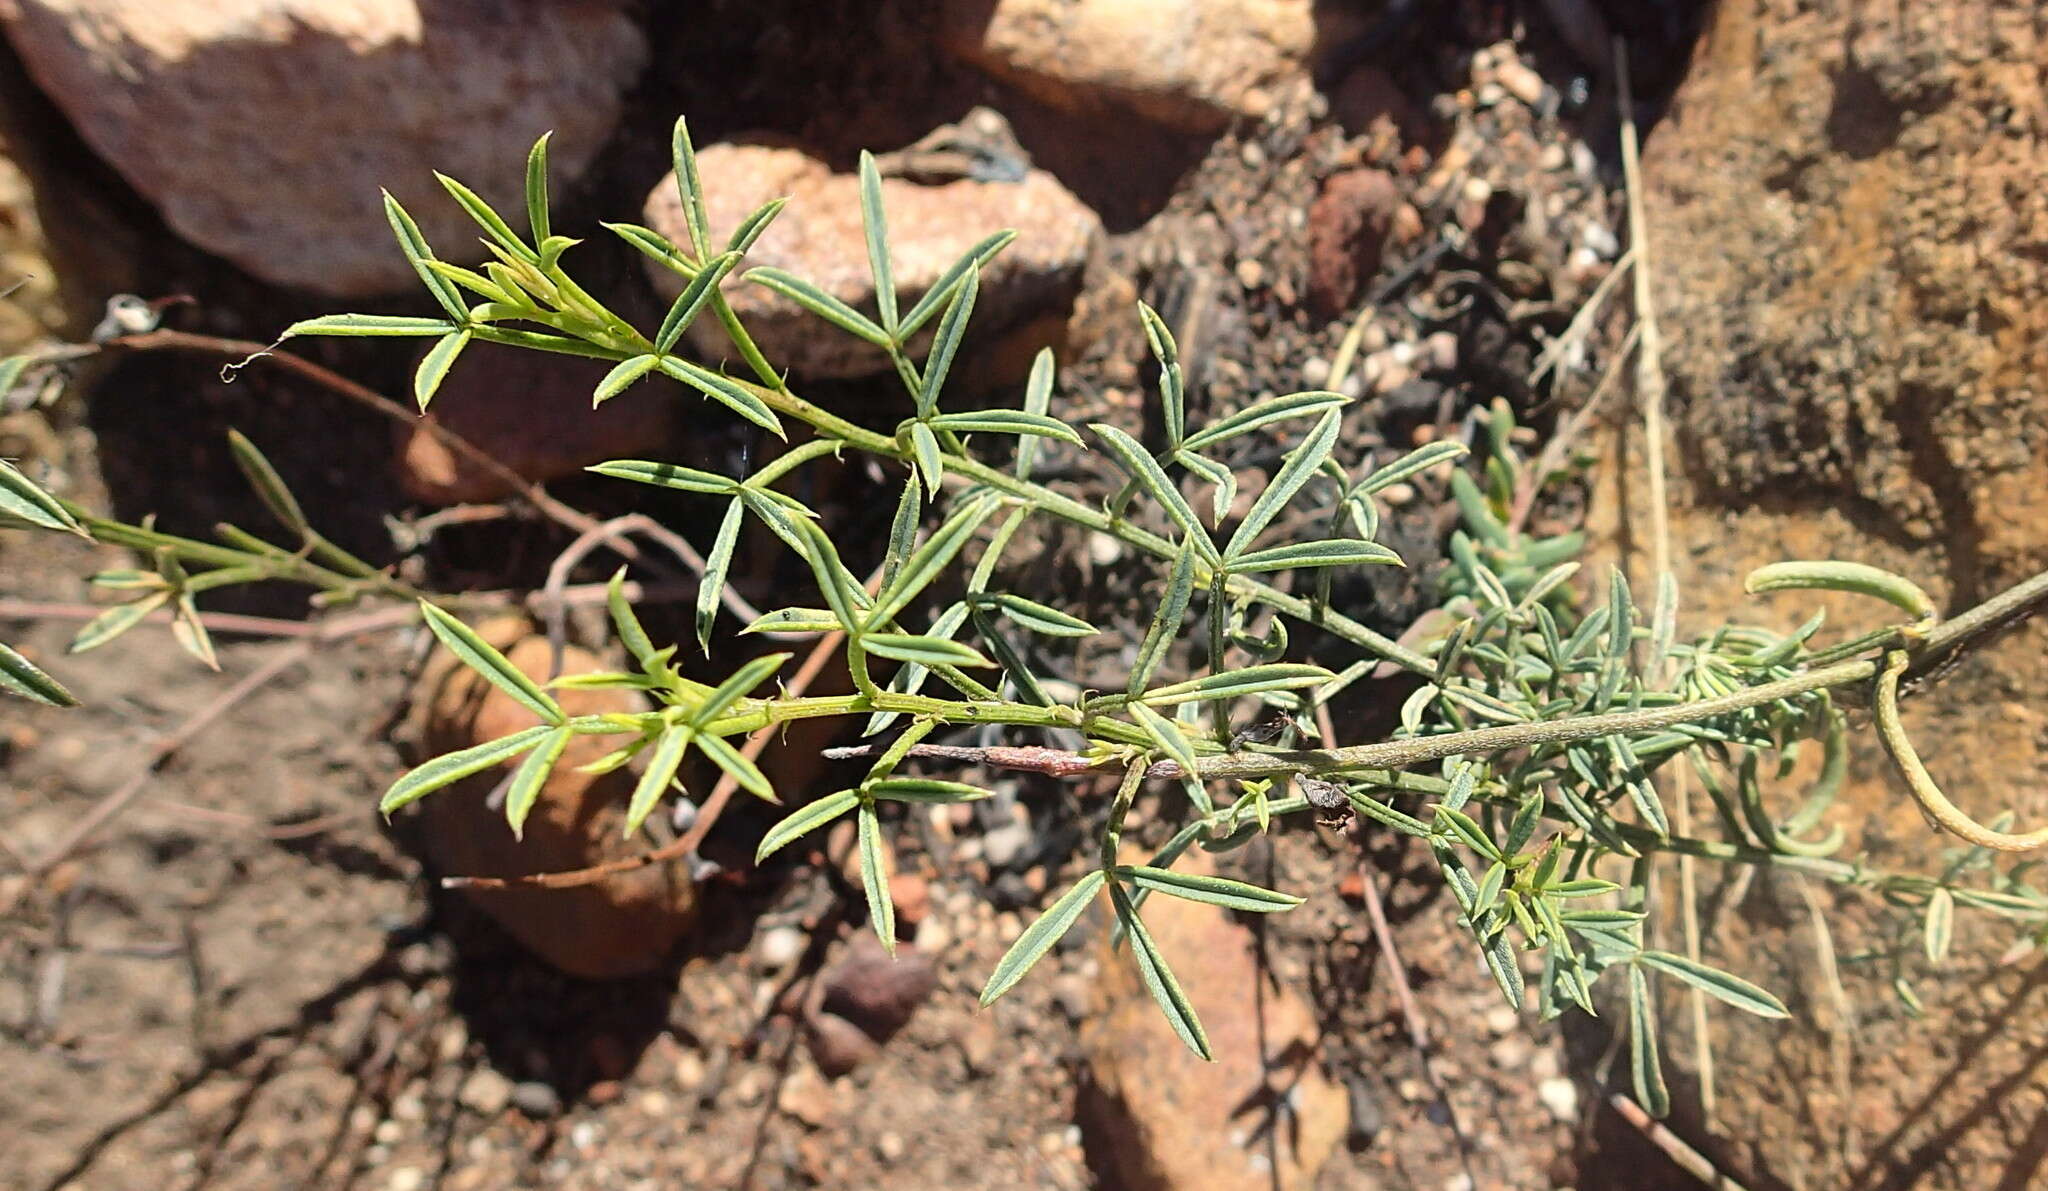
x=1945, y=814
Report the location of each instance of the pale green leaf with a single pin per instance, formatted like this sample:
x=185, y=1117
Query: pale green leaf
x=1039, y=937
x=478, y=655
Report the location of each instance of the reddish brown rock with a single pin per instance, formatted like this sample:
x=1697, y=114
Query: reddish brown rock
x=531, y=412
x=1188, y=64
x=818, y=237
x=617, y=927
x=1348, y=227
x=876, y=991
x=262, y=129
x=1172, y=1122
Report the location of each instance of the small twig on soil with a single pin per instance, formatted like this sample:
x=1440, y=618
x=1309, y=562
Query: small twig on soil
x=1690, y=1160
x=243, y=349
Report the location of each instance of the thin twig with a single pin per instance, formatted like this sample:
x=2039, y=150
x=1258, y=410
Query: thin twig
x=1690, y=1160
x=1650, y=388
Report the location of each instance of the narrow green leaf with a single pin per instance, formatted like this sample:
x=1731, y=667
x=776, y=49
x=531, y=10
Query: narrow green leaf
x=734, y=688
x=1146, y=473
x=1468, y=830
x=1478, y=517
x=189, y=633
x=795, y=620
x=1037, y=399
x=926, y=790
x=712, y=583
x=1166, y=734
x=417, y=251
x=925, y=651
x=831, y=573
x=477, y=654
x=820, y=303
x=726, y=391
x=931, y=461
x=1232, y=684
x=1220, y=477
x=1006, y=421
x=690, y=187
x=665, y=475
x=1217, y=891
x=621, y=377
x=22, y=501
x=1414, y=462
x=21, y=677
x=388, y=325
x=692, y=300
x=1582, y=887
x=941, y=292
x=453, y=767
x=952, y=327
x=902, y=532
x=270, y=487
x=1265, y=413
x=661, y=770
x=750, y=228
x=1039, y=937
x=805, y=819
x=435, y=364
x=530, y=776
x=537, y=188
x=874, y=878
x=1854, y=577
x=655, y=247
x=875, y=225
x=1158, y=978
x=1724, y=986
x=928, y=561
x=1172, y=391
x=116, y=620
x=1644, y=1065
x=1386, y=815
x=1037, y=617
x=739, y=766
x=487, y=217
x=1300, y=467
x=1166, y=619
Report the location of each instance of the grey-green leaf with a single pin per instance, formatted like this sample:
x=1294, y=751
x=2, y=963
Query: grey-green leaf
x=1039, y=937
x=19, y=676
x=926, y=790
x=1232, y=684
x=820, y=303
x=371, y=325
x=1158, y=978
x=874, y=878
x=805, y=819
x=453, y=767
x=1333, y=552
x=924, y=651
x=116, y=620
x=621, y=377
x=1715, y=983
x=1301, y=465
x=478, y=655
x=950, y=280
x=654, y=780
x=530, y=776
x=1293, y=405
x=726, y=391
x=1644, y=1065
x=434, y=366
x=712, y=583
x=1217, y=891
x=23, y=501
x=665, y=475
x=876, y=227
x=947, y=343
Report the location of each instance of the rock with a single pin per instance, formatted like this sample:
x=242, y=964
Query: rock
x=1006, y=844
x=808, y=1098
x=1561, y=1097
x=1191, y=65
x=1368, y=102
x=536, y=1099
x=1348, y=226
x=486, y=1092
x=913, y=897
x=31, y=308
x=779, y=946
x=262, y=129
x=837, y=1045
x=531, y=412
x=617, y=927
x=1845, y=218
x=876, y=992
x=1178, y=1122
x=818, y=237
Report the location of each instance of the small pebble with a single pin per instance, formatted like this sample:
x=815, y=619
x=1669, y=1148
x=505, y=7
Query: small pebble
x=1315, y=372
x=486, y=1092
x=1003, y=846
x=536, y=1099
x=1560, y=1096
x=1395, y=495
x=778, y=947
x=1250, y=274
x=407, y=1178
x=1520, y=81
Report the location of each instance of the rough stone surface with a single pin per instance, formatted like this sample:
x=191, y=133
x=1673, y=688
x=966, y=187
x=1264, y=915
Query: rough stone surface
x=1847, y=232
x=818, y=237
x=29, y=309
x=1348, y=227
x=531, y=412
x=617, y=927
x=1158, y=1116
x=1188, y=64
x=877, y=991
x=262, y=129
